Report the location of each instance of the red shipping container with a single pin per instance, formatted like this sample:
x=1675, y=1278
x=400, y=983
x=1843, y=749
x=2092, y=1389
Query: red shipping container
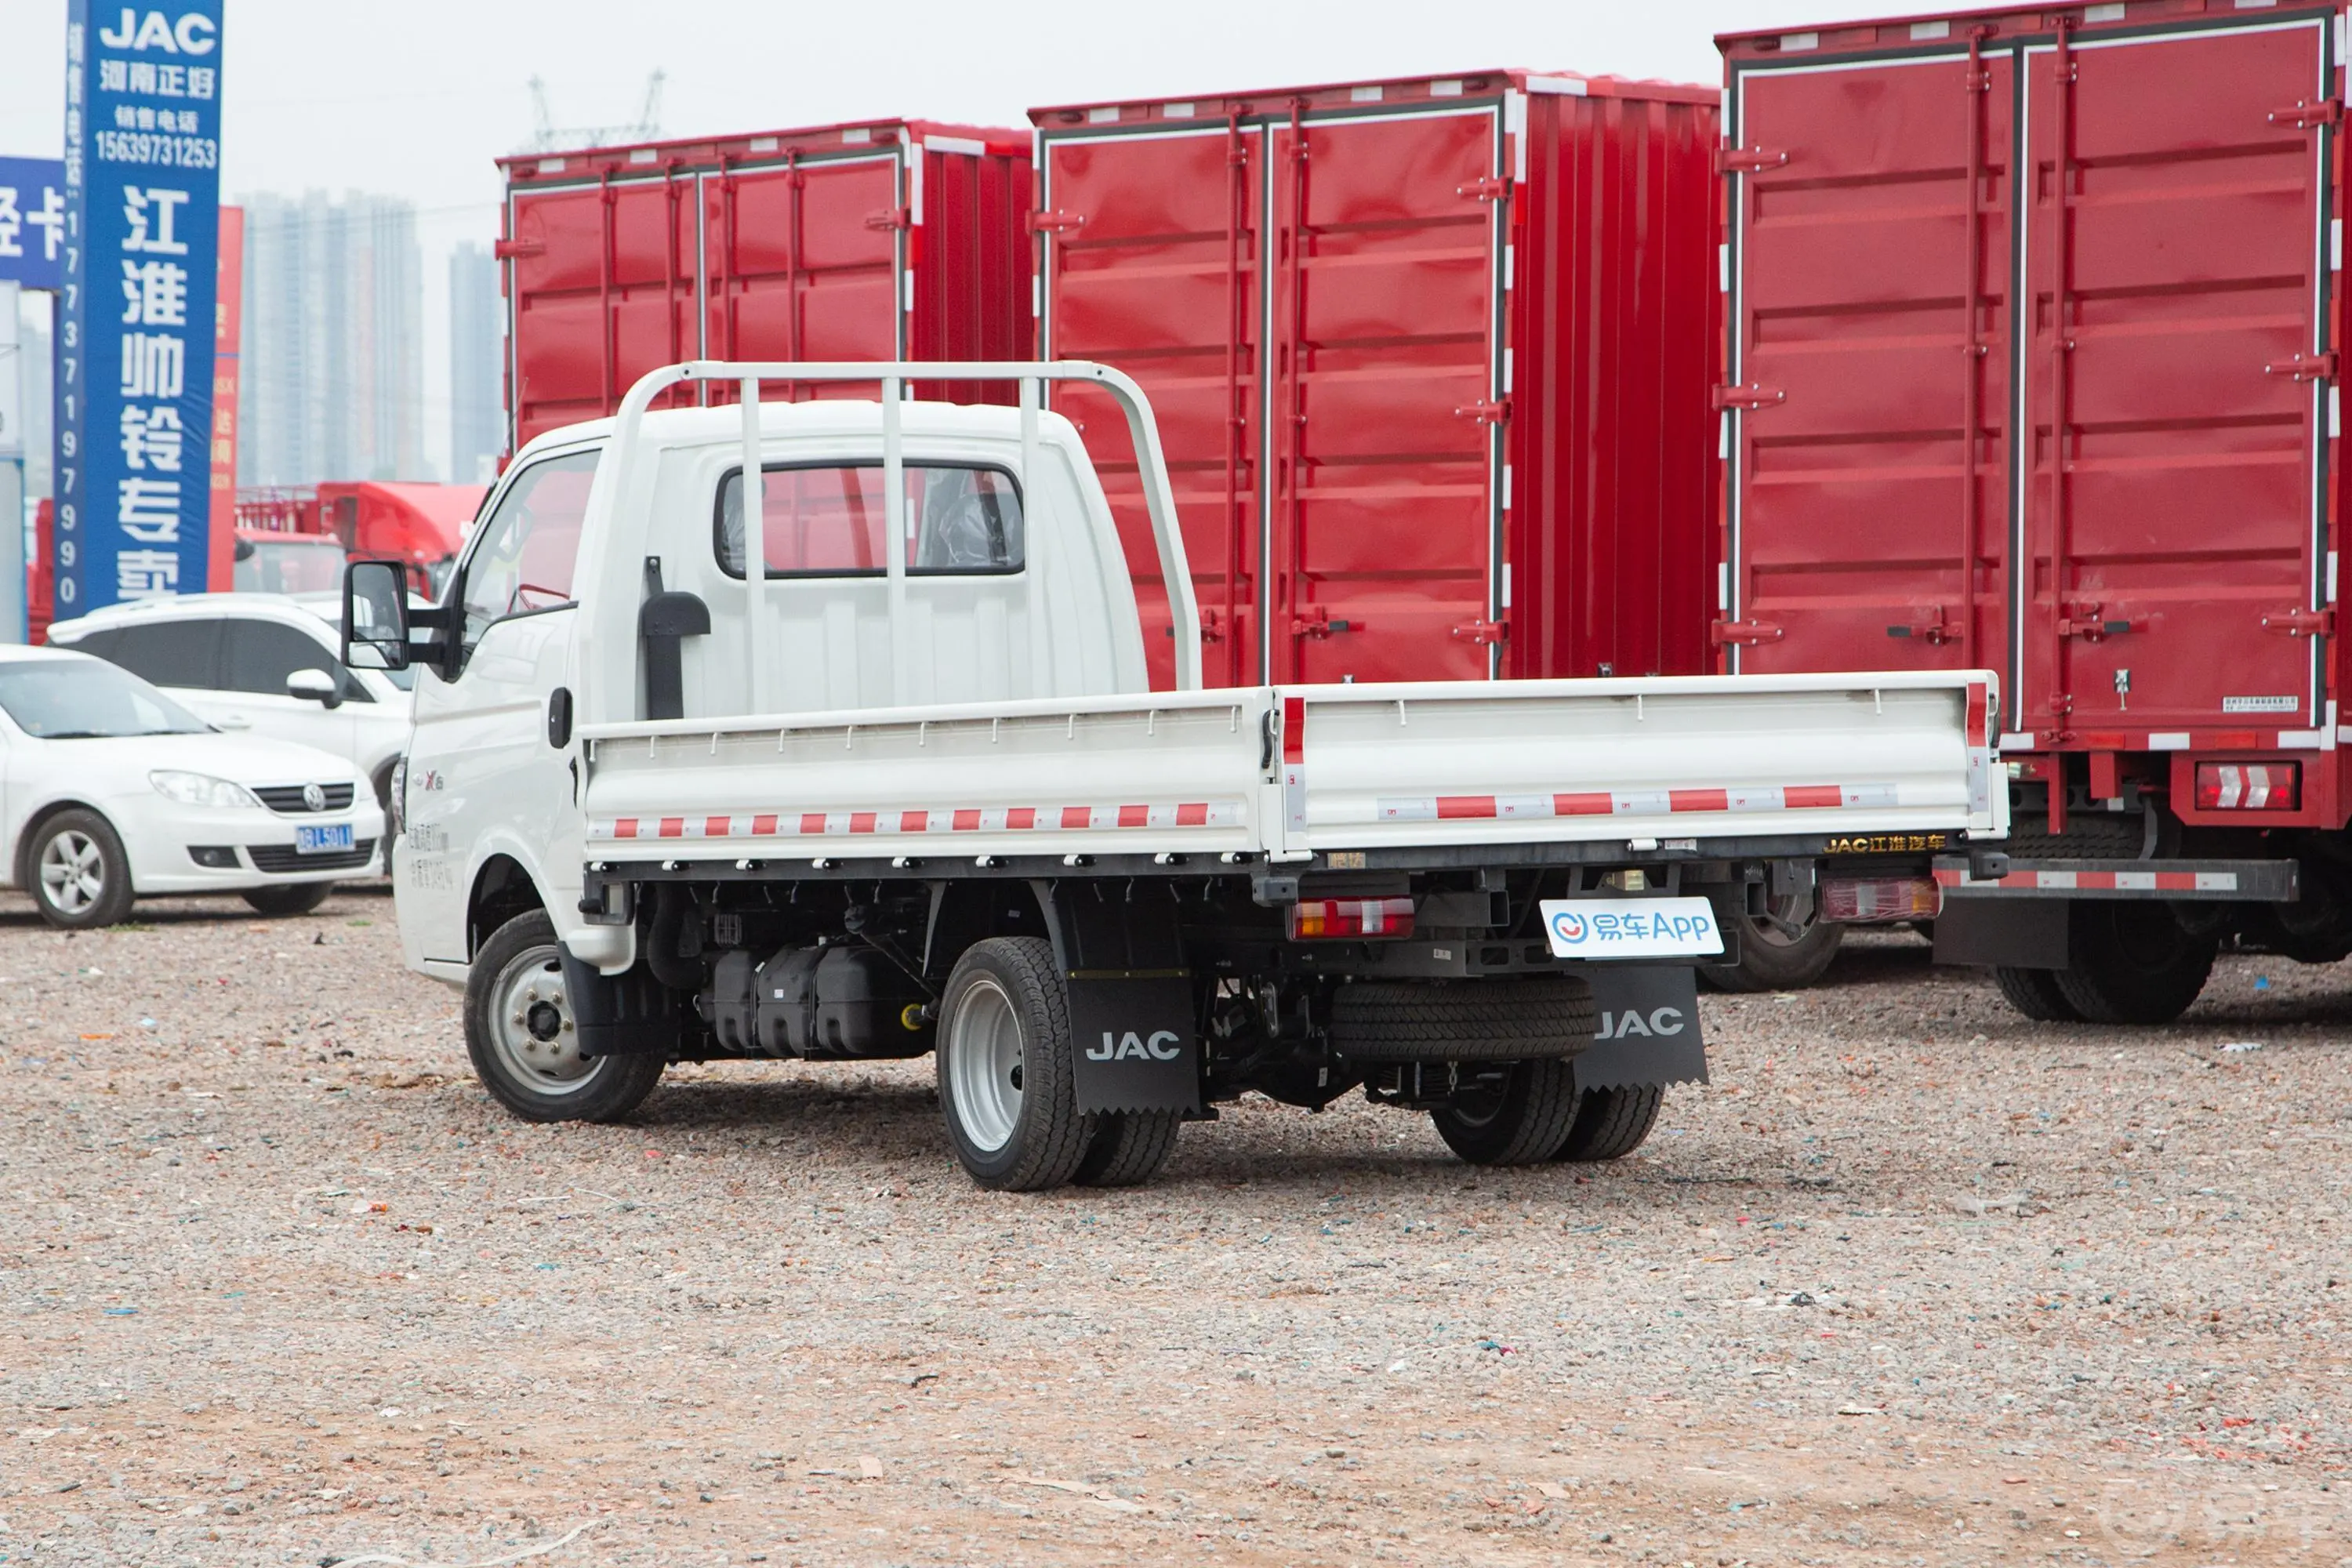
x=1431, y=359
x=889, y=239
x=2033, y=337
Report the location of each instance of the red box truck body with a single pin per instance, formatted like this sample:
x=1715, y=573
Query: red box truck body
x=2033, y=330
x=1431, y=359
x=889, y=239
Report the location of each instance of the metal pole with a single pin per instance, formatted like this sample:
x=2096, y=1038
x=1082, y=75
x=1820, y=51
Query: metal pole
x=894, y=532
x=755, y=548
x=12, y=465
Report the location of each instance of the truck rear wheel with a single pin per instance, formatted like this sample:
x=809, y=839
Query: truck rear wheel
x=1772, y=958
x=1129, y=1148
x=2132, y=962
x=1547, y=1017
x=2037, y=994
x=521, y=1034
x=1611, y=1123
x=1518, y=1115
x=1006, y=1067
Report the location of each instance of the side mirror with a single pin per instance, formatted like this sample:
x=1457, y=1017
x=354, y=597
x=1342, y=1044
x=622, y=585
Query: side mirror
x=375, y=615
x=315, y=685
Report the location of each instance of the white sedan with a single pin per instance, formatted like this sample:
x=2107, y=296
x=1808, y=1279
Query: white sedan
x=110, y=791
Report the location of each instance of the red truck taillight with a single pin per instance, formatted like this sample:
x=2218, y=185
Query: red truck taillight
x=2249, y=786
x=1351, y=917
x=1856, y=901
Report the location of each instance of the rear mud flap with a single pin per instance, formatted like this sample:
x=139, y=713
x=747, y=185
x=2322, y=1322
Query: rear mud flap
x=1649, y=1033
x=1132, y=1037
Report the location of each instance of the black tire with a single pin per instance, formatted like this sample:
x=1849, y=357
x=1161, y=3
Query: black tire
x=1129, y=1148
x=544, y=1078
x=1770, y=959
x=1550, y=1018
x=2132, y=962
x=1006, y=1067
x=288, y=898
x=74, y=868
x=1611, y=1123
x=1521, y=1122
x=2037, y=994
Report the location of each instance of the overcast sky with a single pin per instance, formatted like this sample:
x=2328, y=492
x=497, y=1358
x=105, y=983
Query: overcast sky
x=414, y=98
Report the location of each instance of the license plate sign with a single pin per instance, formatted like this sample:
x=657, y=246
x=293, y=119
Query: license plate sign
x=322, y=840
x=1630, y=928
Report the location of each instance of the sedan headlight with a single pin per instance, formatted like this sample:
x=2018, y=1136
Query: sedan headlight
x=201, y=789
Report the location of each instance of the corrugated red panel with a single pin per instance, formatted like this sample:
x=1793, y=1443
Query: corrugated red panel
x=1431, y=359
x=882, y=241
x=2032, y=346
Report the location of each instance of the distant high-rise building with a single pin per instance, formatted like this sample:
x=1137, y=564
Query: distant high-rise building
x=332, y=351
x=477, y=326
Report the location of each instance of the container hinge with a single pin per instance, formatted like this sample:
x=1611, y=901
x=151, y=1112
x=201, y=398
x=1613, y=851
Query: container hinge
x=1322, y=625
x=1055, y=222
x=1749, y=397
x=2299, y=623
x=2310, y=116
x=1484, y=632
x=515, y=249
x=1494, y=411
x=1747, y=160
x=893, y=218
x=2306, y=367
x=1932, y=627
x=1726, y=633
x=1493, y=189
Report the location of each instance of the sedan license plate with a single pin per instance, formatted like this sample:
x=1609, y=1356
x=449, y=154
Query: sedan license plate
x=1630, y=928
x=322, y=840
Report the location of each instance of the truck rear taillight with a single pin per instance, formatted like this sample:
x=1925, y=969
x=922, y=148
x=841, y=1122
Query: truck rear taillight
x=1855, y=901
x=1351, y=917
x=2249, y=786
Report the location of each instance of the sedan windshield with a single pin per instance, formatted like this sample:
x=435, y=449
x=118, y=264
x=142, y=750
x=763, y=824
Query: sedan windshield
x=87, y=699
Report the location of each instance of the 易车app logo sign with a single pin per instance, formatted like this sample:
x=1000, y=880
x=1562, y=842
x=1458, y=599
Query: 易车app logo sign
x=137, y=297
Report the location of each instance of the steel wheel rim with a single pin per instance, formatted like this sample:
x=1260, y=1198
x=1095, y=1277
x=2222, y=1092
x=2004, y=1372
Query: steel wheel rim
x=984, y=1063
x=532, y=1029
x=73, y=872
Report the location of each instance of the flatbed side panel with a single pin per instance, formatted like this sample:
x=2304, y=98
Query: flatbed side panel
x=1025, y=780
x=1870, y=387
x=2175, y=252
x=1420, y=766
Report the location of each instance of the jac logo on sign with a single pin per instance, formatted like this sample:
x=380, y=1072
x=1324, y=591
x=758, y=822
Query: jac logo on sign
x=1160, y=1046
x=193, y=35
x=1631, y=1025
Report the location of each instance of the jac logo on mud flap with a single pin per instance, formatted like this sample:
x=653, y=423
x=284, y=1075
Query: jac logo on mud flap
x=1630, y=1024
x=1160, y=1046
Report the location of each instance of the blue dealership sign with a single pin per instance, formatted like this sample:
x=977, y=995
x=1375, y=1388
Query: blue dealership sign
x=32, y=221
x=134, y=382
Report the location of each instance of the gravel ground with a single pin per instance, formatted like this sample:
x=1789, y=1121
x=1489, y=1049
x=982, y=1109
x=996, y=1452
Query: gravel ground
x=1912, y=1280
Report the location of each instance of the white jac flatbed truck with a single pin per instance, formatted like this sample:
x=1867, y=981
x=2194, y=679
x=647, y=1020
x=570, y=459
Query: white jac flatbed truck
x=902, y=787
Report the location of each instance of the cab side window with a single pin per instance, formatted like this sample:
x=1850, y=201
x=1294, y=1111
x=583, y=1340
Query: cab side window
x=258, y=656
x=524, y=556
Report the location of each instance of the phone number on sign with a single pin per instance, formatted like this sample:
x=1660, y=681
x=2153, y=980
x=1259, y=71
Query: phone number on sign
x=170, y=152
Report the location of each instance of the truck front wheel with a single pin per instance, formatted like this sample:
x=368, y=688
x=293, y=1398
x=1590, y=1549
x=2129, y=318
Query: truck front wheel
x=1006, y=1067
x=520, y=1034
x=1512, y=1114
x=2132, y=962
